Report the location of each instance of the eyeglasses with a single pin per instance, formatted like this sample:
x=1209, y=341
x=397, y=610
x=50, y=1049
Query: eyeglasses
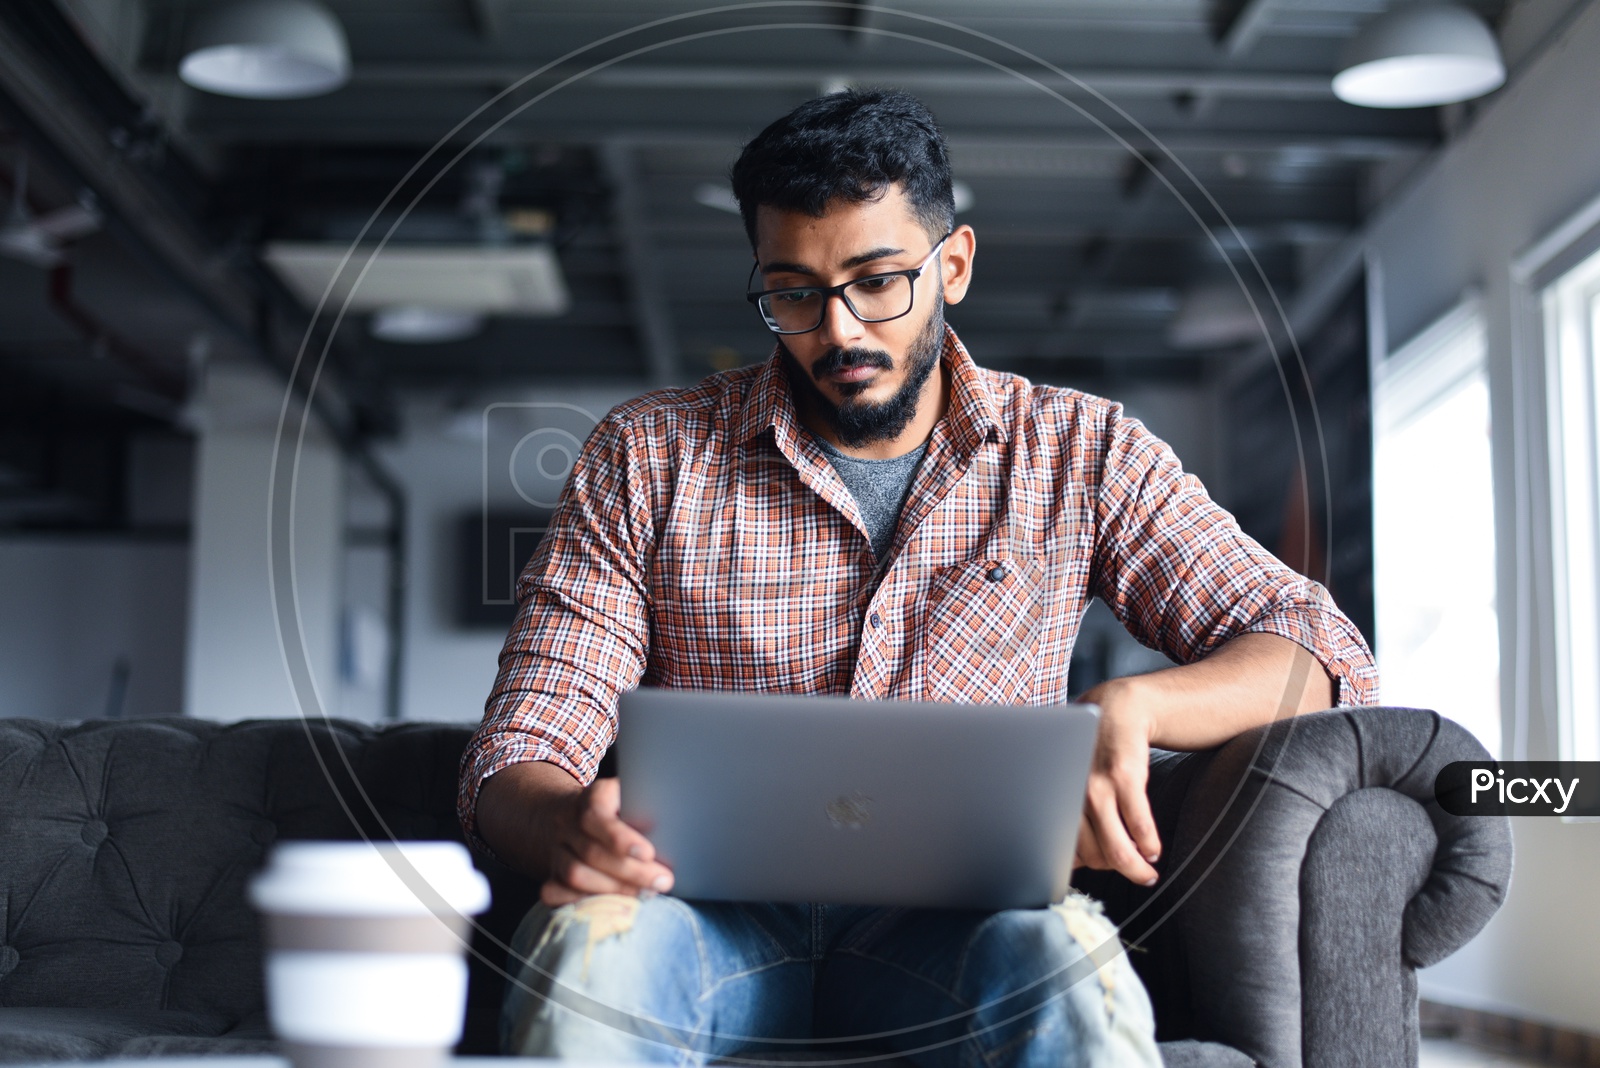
x=877, y=298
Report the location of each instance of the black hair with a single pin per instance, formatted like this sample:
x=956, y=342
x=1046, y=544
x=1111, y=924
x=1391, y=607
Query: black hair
x=850, y=145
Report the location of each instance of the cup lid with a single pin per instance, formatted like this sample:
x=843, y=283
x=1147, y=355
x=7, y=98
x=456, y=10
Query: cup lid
x=371, y=879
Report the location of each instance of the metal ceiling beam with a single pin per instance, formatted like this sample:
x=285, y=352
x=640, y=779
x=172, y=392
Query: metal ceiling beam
x=1257, y=235
x=488, y=18
x=393, y=128
x=648, y=301
x=1114, y=83
x=1239, y=34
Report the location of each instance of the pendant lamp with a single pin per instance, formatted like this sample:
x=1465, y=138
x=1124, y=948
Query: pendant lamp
x=267, y=50
x=1419, y=55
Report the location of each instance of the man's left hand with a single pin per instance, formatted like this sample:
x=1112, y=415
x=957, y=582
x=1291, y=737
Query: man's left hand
x=1248, y=681
x=1118, y=831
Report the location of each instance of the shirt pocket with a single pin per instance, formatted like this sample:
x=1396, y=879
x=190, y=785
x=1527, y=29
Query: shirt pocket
x=982, y=631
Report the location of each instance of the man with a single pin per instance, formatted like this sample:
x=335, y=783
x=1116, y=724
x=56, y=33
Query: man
x=869, y=513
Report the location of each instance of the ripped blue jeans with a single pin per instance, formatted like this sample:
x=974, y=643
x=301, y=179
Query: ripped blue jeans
x=684, y=982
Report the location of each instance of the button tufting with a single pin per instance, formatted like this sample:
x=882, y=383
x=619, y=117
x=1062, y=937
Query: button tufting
x=264, y=833
x=8, y=960
x=168, y=954
x=94, y=832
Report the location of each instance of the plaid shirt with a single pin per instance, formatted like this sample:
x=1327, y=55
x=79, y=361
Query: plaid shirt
x=704, y=542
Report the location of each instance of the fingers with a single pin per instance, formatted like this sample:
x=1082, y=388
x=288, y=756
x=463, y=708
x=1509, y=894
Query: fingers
x=600, y=854
x=1134, y=806
x=625, y=865
x=576, y=873
x=1116, y=811
x=600, y=822
x=1116, y=846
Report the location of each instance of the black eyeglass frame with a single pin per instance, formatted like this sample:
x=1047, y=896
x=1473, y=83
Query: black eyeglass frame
x=828, y=292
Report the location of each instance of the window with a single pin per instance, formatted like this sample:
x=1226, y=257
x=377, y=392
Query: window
x=1438, y=636
x=1572, y=332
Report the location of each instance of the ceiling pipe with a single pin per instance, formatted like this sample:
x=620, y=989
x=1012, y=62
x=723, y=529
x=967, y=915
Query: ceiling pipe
x=166, y=384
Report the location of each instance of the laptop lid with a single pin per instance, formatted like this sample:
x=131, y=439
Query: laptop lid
x=776, y=797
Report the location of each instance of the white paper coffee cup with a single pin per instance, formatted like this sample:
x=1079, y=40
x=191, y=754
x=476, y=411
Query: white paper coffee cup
x=366, y=950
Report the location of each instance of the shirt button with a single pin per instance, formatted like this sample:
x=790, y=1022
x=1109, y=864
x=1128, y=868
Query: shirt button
x=877, y=620
x=996, y=574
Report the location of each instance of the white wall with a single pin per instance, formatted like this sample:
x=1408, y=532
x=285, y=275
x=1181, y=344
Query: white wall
x=1529, y=160
x=71, y=607
x=236, y=662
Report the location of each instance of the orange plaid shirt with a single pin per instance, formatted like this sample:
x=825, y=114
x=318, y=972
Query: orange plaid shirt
x=703, y=541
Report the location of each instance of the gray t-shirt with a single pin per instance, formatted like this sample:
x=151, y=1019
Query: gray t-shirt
x=879, y=487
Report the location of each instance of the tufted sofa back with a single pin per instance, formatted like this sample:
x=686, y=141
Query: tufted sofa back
x=126, y=848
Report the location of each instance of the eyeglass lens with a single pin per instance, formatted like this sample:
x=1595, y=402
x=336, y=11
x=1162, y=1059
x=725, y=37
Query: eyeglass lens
x=869, y=299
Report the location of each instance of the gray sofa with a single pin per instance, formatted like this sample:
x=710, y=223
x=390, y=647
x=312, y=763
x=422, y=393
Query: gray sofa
x=1307, y=874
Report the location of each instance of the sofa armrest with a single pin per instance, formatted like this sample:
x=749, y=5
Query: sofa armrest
x=1307, y=872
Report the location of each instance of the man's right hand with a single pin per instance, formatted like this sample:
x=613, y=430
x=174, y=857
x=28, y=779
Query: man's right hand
x=594, y=852
x=568, y=837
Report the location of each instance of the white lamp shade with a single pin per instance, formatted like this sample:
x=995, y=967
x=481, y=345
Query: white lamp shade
x=267, y=50
x=1420, y=55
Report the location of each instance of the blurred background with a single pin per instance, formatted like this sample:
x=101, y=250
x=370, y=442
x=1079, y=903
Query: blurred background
x=1348, y=276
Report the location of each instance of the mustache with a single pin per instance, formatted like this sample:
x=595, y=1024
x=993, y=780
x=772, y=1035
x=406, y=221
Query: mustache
x=837, y=359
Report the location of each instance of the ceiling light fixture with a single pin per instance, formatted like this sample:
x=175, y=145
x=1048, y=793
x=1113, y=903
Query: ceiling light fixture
x=267, y=50
x=415, y=324
x=718, y=196
x=521, y=280
x=1420, y=55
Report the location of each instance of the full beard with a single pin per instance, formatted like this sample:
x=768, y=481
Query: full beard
x=858, y=423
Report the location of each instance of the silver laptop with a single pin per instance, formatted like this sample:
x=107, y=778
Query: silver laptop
x=772, y=797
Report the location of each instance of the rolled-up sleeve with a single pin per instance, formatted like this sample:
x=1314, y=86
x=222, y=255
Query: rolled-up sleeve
x=1178, y=572
x=581, y=632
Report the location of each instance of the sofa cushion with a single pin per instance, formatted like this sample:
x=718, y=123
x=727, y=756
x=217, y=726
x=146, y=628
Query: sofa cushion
x=130, y=846
x=1188, y=1053
x=41, y=1034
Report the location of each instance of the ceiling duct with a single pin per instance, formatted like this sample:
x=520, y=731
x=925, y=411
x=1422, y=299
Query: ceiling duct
x=510, y=280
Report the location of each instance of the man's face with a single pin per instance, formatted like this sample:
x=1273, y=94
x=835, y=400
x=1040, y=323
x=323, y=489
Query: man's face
x=864, y=379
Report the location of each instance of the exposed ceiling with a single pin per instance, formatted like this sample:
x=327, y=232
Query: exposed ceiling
x=1095, y=214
